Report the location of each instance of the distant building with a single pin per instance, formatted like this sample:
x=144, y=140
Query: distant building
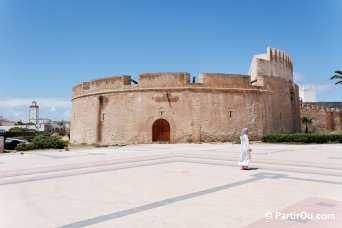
x=61, y=127
x=34, y=113
x=6, y=122
x=307, y=94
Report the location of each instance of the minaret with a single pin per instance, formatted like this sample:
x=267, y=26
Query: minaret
x=34, y=113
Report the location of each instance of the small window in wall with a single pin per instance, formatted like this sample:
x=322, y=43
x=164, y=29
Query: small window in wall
x=230, y=112
x=161, y=111
x=102, y=116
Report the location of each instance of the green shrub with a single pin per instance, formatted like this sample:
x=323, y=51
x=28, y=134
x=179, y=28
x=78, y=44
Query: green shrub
x=45, y=142
x=24, y=146
x=302, y=138
x=42, y=142
x=18, y=129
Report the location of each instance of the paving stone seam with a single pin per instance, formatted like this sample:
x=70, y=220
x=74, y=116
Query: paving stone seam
x=271, y=161
x=82, y=172
x=97, y=169
x=24, y=172
x=272, y=168
x=150, y=206
x=76, y=166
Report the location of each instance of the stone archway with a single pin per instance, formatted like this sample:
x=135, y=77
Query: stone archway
x=161, y=131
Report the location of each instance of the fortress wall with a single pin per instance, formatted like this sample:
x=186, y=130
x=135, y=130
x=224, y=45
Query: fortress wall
x=276, y=84
x=224, y=80
x=77, y=90
x=129, y=116
x=277, y=114
x=194, y=115
x=324, y=119
x=80, y=88
x=84, y=120
x=116, y=120
x=281, y=106
x=168, y=79
x=114, y=82
x=206, y=111
x=224, y=115
x=296, y=107
x=274, y=63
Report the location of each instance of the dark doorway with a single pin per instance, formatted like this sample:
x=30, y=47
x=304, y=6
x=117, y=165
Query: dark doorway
x=161, y=131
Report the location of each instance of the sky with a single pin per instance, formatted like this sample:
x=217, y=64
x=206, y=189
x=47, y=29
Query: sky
x=49, y=46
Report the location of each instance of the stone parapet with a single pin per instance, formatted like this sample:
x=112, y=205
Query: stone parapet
x=325, y=119
x=275, y=63
x=225, y=80
x=113, y=82
x=164, y=79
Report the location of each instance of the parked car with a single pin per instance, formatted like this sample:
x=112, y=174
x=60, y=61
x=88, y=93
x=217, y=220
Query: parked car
x=11, y=143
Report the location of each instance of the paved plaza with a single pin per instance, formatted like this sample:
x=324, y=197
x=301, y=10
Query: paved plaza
x=173, y=185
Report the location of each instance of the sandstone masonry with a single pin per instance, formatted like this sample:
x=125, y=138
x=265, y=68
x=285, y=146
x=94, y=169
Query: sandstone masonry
x=324, y=119
x=167, y=107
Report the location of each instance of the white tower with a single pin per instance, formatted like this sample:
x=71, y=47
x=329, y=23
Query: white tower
x=308, y=93
x=34, y=113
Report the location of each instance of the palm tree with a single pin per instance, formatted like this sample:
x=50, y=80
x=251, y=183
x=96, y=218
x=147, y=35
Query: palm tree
x=338, y=75
x=306, y=120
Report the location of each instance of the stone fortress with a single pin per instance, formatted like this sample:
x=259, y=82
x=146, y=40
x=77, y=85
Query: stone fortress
x=167, y=107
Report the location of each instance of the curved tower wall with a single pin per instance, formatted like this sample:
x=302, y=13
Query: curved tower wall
x=114, y=111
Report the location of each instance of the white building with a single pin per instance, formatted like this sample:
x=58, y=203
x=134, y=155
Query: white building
x=307, y=94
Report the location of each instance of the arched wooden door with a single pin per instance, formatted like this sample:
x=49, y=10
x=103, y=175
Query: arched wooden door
x=161, y=131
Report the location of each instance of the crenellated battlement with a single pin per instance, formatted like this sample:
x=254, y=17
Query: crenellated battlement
x=163, y=80
x=324, y=118
x=277, y=55
x=275, y=63
x=225, y=80
x=113, y=82
x=267, y=71
x=319, y=108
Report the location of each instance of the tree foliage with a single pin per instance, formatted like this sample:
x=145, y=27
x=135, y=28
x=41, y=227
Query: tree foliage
x=338, y=75
x=306, y=120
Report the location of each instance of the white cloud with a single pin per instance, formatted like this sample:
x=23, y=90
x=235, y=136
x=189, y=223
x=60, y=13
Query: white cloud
x=67, y=114
x=42, y=102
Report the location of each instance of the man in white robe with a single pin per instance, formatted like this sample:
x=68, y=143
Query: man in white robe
x=245, y=156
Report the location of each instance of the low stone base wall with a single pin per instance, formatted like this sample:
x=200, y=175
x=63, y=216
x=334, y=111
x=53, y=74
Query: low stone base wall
x=2, y=144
